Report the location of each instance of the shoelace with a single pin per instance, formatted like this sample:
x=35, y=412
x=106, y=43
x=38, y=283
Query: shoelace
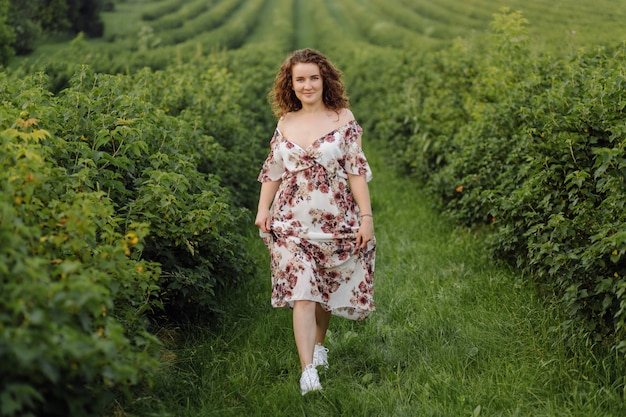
x=320, y=356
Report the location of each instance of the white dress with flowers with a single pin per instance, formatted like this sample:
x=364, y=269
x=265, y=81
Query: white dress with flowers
x=314, y=222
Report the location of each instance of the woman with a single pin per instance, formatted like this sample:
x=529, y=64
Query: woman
x=314, y=210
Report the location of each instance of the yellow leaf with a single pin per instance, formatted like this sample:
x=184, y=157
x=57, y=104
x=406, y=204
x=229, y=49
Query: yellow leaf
x=39, y=134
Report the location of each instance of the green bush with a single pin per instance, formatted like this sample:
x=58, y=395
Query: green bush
x=568, y=205
x=72, y=291
x=533, y=147
x=27, y=34
x=111, y=215
x=7, y=35
x=152, y=154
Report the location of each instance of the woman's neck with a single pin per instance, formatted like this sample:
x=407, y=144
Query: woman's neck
x=313, y=108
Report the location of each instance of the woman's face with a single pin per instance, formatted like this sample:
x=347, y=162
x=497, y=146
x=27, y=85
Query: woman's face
x=307, y=83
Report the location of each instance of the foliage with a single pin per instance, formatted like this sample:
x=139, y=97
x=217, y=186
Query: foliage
x=7, y=35
x=454, y=334
x=29, y=20
x=178, y=17
x=73, y=290
x=147, y=156
x=180, y=27
x=534, y=147
x=84, y=16
x=112, y=214
x=147, y=49
x=155, y=156
x=25, y=25
x=373, y=26
x=162, y=9
x=51, y=16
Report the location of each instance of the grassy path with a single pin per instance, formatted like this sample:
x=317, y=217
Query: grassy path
x=453, y=335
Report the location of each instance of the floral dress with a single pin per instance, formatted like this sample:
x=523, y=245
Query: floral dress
x=314, y=223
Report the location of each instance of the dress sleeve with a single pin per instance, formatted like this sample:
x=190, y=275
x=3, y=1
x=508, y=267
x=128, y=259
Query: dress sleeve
x=355, y=162
x=273, y=168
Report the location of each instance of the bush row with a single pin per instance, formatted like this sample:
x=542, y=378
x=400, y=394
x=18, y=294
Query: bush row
x=162, y=9
x=147, y=49
x=119, y=204
x=275, y=32
x=403, y=15
x=534, y=147
x=177, y=18
x=384, y=32
x=204, y=22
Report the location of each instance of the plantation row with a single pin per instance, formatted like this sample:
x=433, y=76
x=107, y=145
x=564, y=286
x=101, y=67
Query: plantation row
x=172, y=31
x=119, y=204
x=404, y=23
x=535, y=148
x=126, y=198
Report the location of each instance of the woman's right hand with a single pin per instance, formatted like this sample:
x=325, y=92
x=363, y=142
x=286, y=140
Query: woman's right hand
x=263, y=220
x=263, y=217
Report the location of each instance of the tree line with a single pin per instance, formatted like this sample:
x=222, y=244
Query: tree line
x=23, y=23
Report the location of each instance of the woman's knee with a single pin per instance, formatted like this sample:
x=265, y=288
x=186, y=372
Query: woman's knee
x=305, y=305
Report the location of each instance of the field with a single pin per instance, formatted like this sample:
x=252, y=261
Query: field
x=558, y=25
x=133, y=282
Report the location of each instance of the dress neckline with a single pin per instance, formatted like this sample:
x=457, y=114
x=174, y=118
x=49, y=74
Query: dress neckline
x=343, y=126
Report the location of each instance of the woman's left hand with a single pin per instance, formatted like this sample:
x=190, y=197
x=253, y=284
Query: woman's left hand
x=365, y=233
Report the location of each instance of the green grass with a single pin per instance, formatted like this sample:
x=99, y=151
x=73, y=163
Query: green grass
x=454, y=334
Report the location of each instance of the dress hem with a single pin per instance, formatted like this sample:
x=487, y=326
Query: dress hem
x=348, y=312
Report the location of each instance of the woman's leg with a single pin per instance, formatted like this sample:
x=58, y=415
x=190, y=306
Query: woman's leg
x=304, y=330
x=322, y=318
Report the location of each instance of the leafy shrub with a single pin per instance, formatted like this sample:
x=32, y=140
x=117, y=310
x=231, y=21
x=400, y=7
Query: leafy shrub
x=534, y=147
x=27, y=34
x=111, y=215
x=120, y=136
x=7, y=35
x=568, y=206
x=72, y=289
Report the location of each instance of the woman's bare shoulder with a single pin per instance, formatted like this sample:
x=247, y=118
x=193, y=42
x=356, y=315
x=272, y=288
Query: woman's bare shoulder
x=281, y=120
x=346, y=115
x=285, y=120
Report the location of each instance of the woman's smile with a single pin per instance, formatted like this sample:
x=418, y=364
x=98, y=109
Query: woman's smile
x=307, y=82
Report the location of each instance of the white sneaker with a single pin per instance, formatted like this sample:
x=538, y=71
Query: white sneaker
x=310, y=380
x=320, y=356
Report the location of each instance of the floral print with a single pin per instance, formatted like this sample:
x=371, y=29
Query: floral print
x=315, y=219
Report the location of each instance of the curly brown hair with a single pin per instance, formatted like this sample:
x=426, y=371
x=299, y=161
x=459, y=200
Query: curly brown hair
x=284, y=99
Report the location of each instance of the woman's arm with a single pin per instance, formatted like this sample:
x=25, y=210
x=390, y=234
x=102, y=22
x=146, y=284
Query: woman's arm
x=361, y=194
x=266, y=197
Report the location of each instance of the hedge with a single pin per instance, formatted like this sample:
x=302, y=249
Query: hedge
x=532, y=147
x=115, y=216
